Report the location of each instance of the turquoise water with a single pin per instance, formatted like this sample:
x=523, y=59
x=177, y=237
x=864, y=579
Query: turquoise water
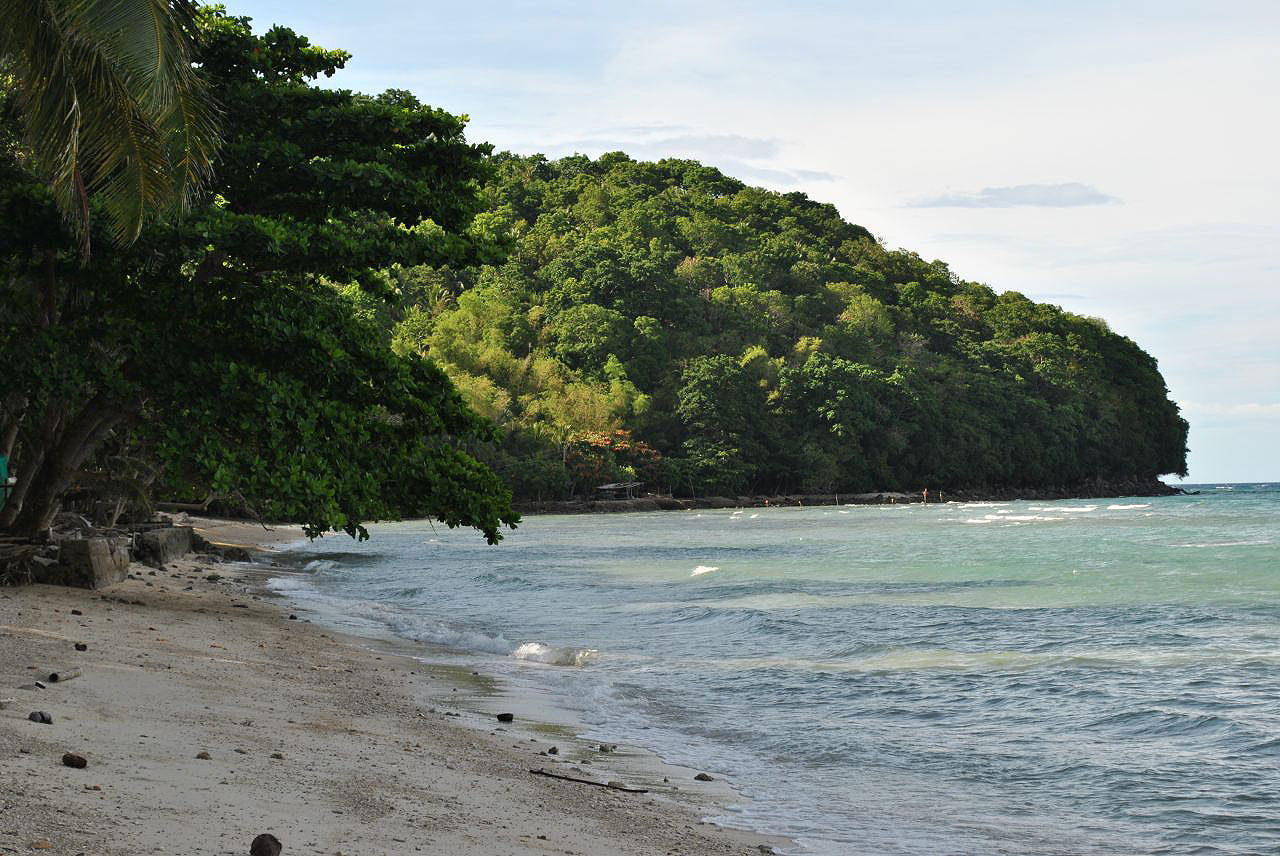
x=1023, y=678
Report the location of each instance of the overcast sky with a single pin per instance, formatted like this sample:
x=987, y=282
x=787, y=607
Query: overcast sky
x=1120, y=160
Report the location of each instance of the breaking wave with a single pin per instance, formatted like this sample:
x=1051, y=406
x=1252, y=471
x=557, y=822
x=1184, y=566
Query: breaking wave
x=536, y=652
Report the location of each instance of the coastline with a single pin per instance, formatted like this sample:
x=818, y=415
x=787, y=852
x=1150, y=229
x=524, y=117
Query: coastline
x=1096, y=489
x=333, y=743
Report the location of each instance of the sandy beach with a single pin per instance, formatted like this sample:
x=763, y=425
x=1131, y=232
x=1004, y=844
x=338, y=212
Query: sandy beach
x=208, y=716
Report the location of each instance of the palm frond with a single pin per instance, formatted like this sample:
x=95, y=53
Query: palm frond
x=111, y=105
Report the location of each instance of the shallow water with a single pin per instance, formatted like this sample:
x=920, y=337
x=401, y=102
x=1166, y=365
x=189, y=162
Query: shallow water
x=1023, y=678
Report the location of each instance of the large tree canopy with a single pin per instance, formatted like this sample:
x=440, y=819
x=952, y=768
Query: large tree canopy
x=757, y=341
x=218, y=346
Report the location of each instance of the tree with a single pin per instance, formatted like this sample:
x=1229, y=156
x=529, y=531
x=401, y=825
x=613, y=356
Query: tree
x=770, y=343
x=218, y=343
x=111, y=109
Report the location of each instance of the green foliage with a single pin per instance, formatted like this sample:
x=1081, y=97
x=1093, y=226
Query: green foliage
x=220, y=347
x=757, y=341
x=110, y=107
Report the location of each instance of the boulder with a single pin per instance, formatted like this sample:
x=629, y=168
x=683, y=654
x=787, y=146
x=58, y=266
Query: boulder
x=158, y=546
x=91, y=563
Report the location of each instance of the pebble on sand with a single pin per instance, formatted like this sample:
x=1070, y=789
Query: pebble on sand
x=71, y=759
x=506, y=717
x=704, y=777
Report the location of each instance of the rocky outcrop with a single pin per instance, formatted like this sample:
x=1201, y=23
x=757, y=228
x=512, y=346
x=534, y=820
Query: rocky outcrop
x=158, y=546
x=1094, y=489
x=91, y=563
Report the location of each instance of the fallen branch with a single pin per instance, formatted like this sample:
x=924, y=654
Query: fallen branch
x=613, y=786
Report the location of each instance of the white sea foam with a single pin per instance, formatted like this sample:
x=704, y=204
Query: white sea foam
x=1014, y=519
x=1225, y=544
x=536, y=652
x=319, y=565
x=288, y=585
x=1075, y=509
x=702, y=569
x=753, y=517
x=1128, y=507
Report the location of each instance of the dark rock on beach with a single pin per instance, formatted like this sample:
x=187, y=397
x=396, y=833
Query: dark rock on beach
x=265, y=844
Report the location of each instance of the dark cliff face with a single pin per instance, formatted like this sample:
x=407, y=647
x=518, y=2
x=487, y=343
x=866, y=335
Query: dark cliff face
x=665, y=323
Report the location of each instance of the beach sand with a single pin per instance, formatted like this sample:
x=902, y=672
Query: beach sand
x=335, y=745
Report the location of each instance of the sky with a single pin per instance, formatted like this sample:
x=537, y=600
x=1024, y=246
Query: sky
x=1117, y=159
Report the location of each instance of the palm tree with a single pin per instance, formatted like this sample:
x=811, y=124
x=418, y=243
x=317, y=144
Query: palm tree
x=110, y=106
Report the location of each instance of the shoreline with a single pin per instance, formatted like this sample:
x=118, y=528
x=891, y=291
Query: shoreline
x=334, y=743
x=1097, y=489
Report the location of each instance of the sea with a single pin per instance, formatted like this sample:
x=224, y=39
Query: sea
x=1071, y=677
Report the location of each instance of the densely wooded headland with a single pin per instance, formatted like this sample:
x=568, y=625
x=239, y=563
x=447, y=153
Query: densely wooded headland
x=364, y=316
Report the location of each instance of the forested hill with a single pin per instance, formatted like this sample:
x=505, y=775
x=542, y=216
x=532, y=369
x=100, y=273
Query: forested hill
x=664, y=322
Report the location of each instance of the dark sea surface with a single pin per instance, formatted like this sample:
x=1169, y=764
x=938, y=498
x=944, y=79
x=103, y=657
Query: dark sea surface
x=1077, y=677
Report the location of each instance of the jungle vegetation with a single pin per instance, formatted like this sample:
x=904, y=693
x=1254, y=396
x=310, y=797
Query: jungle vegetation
x=667, y=323
x=211, y=356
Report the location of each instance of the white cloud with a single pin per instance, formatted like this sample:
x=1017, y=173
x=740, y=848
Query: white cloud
x=1245, y=409
x=1069, y=195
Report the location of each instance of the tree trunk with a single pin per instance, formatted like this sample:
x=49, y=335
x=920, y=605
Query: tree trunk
x=60, y=463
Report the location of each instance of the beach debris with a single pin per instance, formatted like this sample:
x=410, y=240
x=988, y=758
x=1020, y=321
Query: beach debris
x=608, y=747
x=203, y=756
x=293, y=617
x=41, y=844
x=93, y=787
x=506, y=717
x=616, y=786
x=76, y=612
x=553, y=751
x=278, y=756
x=80, y=646
x=40, y=685
x=63, y=675
x=71, y=759
x=41, y=717
x=704, y=777
x=265, y=844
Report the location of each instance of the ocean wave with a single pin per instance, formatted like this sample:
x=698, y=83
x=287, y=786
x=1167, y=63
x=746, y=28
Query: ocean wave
x=536, y=652
x=702, y=569
x=1006, y=517
x=1261, y=543
x=1128, y=507
x=317, y=565
x=288, y=585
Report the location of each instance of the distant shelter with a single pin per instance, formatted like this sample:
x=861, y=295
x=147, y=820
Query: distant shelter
x=619, y=490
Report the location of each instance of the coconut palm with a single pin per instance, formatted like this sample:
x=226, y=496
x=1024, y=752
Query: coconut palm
x=110, y=105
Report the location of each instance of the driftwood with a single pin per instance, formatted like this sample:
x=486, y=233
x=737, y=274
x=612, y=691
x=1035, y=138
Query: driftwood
x=64, y=675
x=613, y=786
